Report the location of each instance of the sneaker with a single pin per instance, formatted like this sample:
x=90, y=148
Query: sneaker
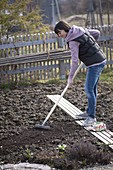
x=83, y=115
x=89, y=121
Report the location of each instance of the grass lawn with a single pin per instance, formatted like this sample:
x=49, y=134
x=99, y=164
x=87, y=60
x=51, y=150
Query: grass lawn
x=106, y=76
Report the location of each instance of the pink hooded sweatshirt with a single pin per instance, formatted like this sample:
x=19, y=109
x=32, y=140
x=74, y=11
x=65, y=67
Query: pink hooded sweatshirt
x=73, y=33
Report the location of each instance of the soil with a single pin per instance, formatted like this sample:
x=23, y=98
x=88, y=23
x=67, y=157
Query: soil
x=23, y=107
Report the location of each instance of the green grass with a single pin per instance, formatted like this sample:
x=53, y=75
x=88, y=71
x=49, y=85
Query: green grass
x=6, y=86
x=106, y=76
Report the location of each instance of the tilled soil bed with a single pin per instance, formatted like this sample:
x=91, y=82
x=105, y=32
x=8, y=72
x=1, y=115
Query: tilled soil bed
x=22, y=107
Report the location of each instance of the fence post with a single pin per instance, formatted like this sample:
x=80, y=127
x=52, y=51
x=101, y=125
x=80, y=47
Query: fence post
x=62, y=69
x=60, y=42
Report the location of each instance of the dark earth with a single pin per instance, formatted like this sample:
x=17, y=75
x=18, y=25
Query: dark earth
x=22, y=107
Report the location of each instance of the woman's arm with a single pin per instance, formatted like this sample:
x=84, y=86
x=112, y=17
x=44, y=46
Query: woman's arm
x=74, y=47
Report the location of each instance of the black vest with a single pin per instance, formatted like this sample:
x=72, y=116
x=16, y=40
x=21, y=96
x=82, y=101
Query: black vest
x=89, y=51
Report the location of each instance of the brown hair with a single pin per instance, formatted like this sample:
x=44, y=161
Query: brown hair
x=62, y=25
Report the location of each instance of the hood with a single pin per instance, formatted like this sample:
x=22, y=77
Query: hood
x=74, y=32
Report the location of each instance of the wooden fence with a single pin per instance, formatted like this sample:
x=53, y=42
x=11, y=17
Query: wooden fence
x=28, y=44
x=42, y=56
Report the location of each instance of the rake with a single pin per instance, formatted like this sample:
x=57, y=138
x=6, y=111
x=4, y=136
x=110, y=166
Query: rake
x=42, y=126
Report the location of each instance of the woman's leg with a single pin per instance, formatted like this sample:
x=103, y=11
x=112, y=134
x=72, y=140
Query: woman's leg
x=92, y=77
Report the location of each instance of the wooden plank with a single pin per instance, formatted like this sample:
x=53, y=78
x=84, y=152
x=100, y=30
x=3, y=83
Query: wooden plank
x=111, y=146
x=28, y=43
x=95, y=134
x=34, y=58
x=73, y=111
x=65, y=105
x=104, y=136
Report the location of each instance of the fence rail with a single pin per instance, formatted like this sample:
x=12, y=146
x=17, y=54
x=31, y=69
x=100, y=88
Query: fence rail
x=28, y=44
x=42, y=56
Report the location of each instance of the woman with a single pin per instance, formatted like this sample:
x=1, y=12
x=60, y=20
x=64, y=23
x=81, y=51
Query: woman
x=83, y=46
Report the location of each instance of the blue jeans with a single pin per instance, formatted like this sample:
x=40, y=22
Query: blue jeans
x=92, y=77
